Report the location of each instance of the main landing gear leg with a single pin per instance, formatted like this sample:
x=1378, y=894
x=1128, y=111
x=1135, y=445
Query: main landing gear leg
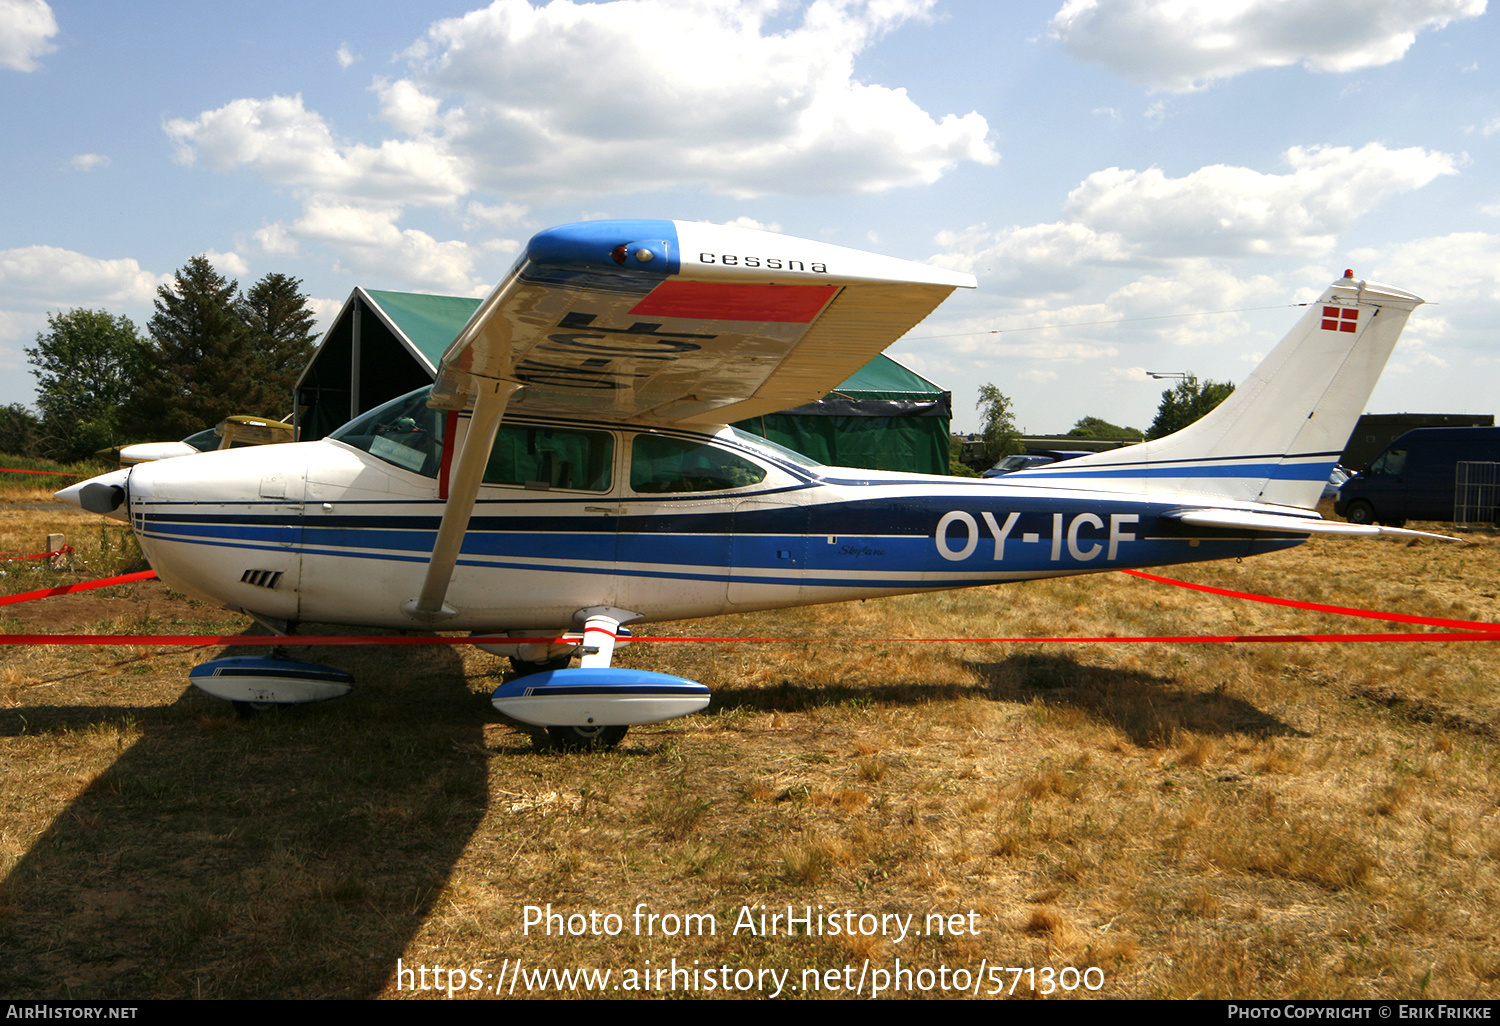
x=599, y=635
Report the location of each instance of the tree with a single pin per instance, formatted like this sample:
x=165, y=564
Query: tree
x=956, y=466
x=86, y=364
x=20, y=431
x=215, y=352
x=1186, y=402
x=1095, y=427
x=281, y=329
x=998, y=427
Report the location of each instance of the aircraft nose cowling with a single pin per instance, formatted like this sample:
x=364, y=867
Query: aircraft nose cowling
x=226, y=526
x=104, y=494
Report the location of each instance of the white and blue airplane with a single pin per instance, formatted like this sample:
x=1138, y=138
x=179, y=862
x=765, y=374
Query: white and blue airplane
x=572, y=471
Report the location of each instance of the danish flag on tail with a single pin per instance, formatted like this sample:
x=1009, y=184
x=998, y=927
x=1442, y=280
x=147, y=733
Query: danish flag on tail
x=1337, y=318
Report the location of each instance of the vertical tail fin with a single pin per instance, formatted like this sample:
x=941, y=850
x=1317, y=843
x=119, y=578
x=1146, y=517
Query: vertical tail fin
x=1277, y=438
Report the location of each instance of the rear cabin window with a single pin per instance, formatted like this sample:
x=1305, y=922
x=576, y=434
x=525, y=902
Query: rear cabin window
x=659, y=465
x=546, y=458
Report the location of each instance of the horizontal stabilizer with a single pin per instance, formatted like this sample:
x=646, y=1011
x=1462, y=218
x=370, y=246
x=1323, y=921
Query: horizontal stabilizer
x=1245, y=520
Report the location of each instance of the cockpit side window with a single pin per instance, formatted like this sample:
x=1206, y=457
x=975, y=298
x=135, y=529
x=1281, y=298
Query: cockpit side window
x=548, y=457
x=403, y=431
x=659, y=465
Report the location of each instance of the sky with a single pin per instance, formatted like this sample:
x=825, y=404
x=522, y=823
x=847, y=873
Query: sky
x=1138, y=186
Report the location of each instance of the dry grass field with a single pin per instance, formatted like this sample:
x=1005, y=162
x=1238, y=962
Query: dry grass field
x=1246, y=820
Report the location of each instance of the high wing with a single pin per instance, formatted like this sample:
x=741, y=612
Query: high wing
x=664, y=322
x=675, y=322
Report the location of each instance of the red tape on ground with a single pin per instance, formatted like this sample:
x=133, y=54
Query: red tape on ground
x=1468, y=630
x=1430, y=621
x=59, y=473
x=299, y=640
x=67, y=589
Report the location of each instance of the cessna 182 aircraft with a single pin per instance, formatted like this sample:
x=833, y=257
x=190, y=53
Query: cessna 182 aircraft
x=572, y=471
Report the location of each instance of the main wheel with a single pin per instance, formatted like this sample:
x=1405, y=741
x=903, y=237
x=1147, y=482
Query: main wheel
x=525, y=669
x=577, y=739
x=1360, y=512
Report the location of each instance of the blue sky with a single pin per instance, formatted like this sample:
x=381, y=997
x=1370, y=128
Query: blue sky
x=1090, y=161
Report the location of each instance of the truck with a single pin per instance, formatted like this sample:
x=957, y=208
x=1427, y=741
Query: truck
x=1416, y=477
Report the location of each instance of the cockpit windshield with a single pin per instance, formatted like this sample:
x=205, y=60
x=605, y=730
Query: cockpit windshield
x=775, y=448
x=404, y=431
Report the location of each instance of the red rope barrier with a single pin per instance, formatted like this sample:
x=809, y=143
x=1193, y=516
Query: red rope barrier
x=1430, y=621
x=430, y=639
x=67, y=589
x=1466, y=630
x=10, y=556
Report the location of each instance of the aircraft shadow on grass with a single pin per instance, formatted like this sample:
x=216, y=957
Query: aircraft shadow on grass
x=1148, y=708
x=293, y=855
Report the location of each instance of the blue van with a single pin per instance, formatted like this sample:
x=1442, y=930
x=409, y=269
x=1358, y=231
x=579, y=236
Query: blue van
x=1413, y=479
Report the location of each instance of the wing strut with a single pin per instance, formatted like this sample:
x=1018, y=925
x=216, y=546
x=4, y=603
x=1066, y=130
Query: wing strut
x=468, y=473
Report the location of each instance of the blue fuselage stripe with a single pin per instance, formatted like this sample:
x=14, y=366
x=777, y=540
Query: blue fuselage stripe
x=875, y=543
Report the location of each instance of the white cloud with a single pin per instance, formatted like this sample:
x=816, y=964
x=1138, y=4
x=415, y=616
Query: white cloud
x=88, y=161
x=406, y=107
x=25, y=28
x=275, y=239
x=325, y=311
x=345, y=56
x=370, y=244
x=1035, y=260
x=35, y=280
x=283, y=142
x=1182, y=45
x=505, y=215
x=737, y=109
x=761, y=226
x=231, y=264
x=1461, y=268
x=46, y=276
x=1190, y=306
x=1236, y=210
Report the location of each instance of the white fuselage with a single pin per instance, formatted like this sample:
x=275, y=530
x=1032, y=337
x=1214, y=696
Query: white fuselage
x=325, y=532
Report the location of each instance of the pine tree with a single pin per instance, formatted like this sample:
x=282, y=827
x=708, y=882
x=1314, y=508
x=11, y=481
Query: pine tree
x=281, y=333
x=216, y=353
x=86, y=364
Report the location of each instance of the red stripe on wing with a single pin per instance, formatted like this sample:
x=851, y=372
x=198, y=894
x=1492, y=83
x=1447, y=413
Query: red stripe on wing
x=792, y=304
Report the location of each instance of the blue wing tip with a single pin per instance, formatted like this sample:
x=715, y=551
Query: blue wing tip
x=639, y=246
